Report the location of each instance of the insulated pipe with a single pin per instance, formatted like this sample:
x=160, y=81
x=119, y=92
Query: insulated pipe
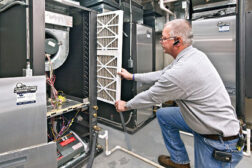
x=248, y=133
x=28, y=48
x=162, y=6
x=105, y=136
x=130, y=61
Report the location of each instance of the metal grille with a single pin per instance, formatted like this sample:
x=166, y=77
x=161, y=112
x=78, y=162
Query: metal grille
x=109, y=55
x=85, y=53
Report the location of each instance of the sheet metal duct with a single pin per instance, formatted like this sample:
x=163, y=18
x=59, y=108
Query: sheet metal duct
x=211, y=5
x=204, y=2
x=216, y=37
x=244, y=70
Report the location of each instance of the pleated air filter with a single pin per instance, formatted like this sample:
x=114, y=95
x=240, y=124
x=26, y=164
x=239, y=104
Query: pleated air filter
x=109, y=55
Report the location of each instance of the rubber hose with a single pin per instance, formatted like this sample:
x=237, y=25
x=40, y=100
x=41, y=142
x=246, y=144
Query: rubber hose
x=125, y=132
x=92, y=154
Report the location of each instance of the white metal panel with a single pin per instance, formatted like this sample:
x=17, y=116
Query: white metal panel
x=109, y=55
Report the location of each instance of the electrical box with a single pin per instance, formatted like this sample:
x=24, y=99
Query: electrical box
x=220, y=34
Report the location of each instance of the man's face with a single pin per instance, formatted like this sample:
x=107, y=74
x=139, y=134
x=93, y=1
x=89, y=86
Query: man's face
x=167, y=41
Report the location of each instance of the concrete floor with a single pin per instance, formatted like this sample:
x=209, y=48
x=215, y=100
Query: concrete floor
x=147, y=142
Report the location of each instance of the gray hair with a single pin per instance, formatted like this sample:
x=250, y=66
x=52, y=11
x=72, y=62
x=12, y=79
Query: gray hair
x=180, y=28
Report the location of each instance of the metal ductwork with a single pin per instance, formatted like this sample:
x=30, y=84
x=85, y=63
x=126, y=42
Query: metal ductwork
x=163, y=7
x=210, y=4
x=204, y=2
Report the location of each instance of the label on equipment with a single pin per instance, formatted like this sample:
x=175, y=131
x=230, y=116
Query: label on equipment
x=25, y=94
x=26, y=98
x=52, y=44
x=68, y=141
x=224, y=28
x=77, y=146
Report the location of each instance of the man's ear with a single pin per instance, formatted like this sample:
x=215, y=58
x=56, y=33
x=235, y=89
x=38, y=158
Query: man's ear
x=176, y=41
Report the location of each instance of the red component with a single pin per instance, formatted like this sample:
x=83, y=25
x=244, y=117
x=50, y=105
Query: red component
x=68, y=141
x=59, y=157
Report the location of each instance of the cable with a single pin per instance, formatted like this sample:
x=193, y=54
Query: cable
x=51, y=80
x=53, y=133
x=125, y=132
x=116, y=123
x=4, y=8
x=92, y=154
x=70, y=122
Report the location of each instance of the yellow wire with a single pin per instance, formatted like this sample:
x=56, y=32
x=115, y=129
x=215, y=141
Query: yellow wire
x=53, y=134
x=71, y=122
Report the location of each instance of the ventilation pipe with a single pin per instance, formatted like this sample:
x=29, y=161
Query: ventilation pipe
x=162, y=6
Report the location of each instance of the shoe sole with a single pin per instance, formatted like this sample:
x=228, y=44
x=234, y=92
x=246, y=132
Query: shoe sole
x=166, y=165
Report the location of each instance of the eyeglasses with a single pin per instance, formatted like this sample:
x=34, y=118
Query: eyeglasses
x=166, y=38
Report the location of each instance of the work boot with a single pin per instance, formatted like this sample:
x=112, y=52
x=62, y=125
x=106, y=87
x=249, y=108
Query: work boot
x=168, y=163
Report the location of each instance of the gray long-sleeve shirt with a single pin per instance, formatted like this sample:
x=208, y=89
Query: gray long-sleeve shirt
x=193, y=82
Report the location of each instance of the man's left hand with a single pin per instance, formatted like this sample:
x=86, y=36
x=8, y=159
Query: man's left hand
x=120, y=106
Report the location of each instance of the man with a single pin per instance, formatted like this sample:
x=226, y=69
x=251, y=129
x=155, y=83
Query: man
x=204, y=110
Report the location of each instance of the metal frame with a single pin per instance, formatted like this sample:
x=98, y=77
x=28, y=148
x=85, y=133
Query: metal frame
x=92, y=73
x=37, y=33
x=105, y=50
x=240, y=58
x=240, y=70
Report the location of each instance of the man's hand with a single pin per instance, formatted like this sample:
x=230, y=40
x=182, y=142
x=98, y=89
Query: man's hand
x=120, y=106
x=125, y=74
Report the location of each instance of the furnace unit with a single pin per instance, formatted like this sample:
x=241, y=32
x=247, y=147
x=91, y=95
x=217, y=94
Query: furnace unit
x=57, y=39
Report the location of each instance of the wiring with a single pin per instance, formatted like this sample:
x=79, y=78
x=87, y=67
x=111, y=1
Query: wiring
x=64, y=128
x=54, y=137
x=51, y=80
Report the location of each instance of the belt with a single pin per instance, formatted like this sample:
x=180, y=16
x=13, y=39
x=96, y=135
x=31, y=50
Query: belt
x=217, y=137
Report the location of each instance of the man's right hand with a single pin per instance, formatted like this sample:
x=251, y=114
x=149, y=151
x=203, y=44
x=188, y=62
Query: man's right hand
x=125, y=74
